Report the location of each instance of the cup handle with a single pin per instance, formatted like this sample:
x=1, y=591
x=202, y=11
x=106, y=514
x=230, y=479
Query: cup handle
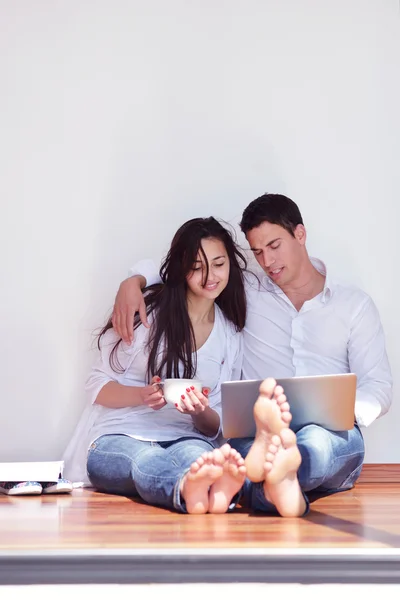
x=160, y=383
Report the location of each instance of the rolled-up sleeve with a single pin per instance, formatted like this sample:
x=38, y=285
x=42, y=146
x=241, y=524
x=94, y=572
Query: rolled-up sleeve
x=102, y=371
x=147, y=269
x=368, y=359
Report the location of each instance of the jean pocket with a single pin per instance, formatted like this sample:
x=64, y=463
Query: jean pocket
x=92, y=447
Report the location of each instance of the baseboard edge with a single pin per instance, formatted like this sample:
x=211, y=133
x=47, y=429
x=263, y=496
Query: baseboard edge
x=380, y=473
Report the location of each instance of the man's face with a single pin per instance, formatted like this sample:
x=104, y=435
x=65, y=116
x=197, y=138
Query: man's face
x=277, y=252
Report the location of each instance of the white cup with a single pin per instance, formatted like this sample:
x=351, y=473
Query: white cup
x=173, y=389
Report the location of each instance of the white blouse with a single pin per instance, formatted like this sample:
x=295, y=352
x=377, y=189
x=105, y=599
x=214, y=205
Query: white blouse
x=218, y=360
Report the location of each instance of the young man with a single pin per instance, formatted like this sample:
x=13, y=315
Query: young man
x=299, y=322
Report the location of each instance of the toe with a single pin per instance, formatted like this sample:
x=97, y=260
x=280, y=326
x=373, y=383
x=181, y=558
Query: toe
x=236, y=456
x=267, y=467
x=225, y=450
x=194, y=467
x=218, y=457
x=286, y=417
x=208, y=457
x=276, y=440
x=281, y=399
x=267, y=387
x=288, y=438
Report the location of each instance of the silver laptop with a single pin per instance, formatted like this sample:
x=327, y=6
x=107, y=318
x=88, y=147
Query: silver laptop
x=326, y=400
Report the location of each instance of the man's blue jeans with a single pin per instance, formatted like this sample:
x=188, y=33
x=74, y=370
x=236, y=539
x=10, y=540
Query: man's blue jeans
x=331, y=462
x=119, y=464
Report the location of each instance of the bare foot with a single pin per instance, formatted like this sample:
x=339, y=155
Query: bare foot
x=281, y=485
x=198, y=480
x=271, y=415
x=234, y=474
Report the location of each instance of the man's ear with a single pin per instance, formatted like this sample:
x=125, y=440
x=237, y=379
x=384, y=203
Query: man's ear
x=300, y=234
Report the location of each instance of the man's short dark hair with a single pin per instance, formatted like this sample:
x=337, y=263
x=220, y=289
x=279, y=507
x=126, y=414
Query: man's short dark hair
x=273, y=208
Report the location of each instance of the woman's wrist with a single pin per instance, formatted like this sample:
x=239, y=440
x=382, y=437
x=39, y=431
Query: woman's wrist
x=207, y=421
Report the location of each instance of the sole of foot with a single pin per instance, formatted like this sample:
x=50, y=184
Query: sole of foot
x=281, y=484
x=271, y=415
x=196, y=484
x=229, y=484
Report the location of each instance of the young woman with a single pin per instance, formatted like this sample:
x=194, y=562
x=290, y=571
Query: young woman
x=130, y=441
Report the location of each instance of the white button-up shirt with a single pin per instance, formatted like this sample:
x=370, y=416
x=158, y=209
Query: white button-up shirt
x=338, y=331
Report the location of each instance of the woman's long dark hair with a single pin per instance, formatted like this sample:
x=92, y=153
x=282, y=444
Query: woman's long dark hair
x=171, y=342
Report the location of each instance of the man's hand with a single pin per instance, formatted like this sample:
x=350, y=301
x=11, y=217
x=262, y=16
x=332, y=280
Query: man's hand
x=152, y=395
x=128, y=301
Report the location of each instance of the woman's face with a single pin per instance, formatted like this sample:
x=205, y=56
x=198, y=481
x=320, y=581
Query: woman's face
x=218, y=270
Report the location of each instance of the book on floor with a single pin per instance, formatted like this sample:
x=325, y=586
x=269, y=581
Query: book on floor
x=31, y=471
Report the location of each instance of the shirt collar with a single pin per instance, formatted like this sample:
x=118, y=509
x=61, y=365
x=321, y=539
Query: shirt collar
x=321, y=268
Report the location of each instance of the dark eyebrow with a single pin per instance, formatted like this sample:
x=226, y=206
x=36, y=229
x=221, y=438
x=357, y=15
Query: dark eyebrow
x=215, y=258
x=267, y=245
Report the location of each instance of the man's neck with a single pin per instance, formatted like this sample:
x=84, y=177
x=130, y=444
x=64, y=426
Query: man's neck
x=309, y=283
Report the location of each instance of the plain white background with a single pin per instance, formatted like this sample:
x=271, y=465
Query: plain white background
x=120, y=119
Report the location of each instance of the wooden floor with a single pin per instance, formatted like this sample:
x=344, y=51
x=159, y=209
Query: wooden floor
x=364, y=519
x=367, y=516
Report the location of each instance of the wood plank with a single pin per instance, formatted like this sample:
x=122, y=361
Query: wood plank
x=88, y=537
x=365, y=517
x=380, y=473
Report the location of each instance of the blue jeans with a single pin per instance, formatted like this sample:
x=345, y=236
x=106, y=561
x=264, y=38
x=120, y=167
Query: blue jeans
x=119, y=464
x=331, y=462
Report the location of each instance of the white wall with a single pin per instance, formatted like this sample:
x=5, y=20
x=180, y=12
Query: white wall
x=120, y=119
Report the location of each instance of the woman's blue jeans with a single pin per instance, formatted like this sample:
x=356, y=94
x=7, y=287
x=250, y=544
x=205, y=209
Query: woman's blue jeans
x=119, y=464
x=331, y=462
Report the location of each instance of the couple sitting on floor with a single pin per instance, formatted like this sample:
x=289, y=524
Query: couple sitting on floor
x=205, y=316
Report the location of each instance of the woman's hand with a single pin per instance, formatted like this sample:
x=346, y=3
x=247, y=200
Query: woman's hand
x=152, y=395
x=196, y=404
x=193, y=402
